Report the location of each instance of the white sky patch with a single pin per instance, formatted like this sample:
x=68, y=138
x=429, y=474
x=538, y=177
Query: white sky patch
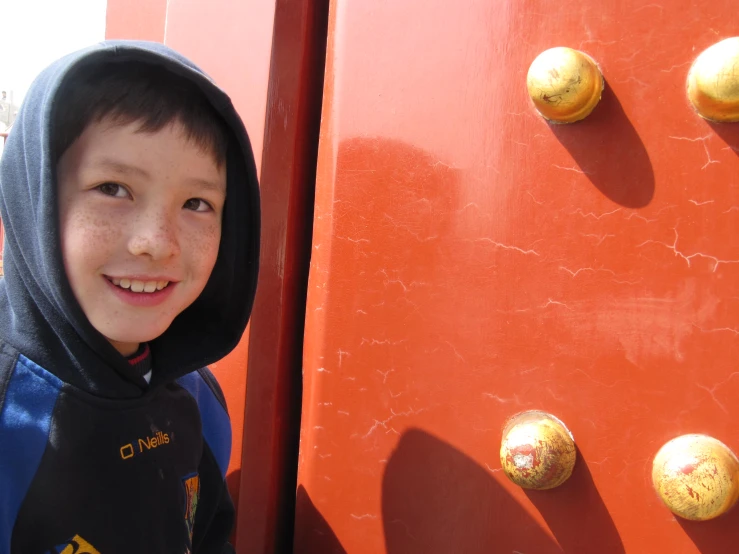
x=34, y=33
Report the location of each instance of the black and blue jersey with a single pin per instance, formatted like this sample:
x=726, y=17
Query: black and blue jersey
x=92, y=459
x=161, y=457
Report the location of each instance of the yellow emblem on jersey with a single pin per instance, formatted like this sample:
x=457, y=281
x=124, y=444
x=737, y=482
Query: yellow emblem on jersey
x=77, y=545
x=192, y=495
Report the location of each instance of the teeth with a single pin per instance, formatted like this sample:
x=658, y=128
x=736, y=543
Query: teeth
x=137, y=286
x=140, y=286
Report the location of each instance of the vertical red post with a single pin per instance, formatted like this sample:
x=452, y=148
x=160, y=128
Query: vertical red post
x=265, y=518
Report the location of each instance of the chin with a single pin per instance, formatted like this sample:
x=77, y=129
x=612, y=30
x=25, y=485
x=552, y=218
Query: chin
x=130, y=336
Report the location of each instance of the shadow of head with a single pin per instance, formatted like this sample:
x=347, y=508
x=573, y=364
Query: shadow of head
x=713, y=536
x=436, y=500
x=729, y=132
x=576, y=514
x=610, y=153
x=313, y=534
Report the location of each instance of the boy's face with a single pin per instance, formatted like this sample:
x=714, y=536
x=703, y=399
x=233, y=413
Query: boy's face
x=140, y=217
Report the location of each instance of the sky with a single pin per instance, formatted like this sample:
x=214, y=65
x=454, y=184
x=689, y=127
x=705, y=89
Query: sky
x=34, y=33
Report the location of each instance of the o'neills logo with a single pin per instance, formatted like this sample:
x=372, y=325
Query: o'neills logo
x=152, y=442
x=144, y=444
x=75, y=545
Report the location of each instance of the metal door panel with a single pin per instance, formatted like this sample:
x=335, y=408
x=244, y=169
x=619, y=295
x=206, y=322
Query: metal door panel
x=471, y=261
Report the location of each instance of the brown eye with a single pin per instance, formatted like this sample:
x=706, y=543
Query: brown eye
x=113, y=189
x=197, y=205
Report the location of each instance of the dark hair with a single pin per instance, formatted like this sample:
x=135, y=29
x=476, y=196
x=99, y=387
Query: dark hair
x=128, y=92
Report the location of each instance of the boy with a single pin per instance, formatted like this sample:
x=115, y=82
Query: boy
x=131, y=208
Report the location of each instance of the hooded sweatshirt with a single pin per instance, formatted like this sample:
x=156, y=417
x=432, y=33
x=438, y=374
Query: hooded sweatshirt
x=92, y=457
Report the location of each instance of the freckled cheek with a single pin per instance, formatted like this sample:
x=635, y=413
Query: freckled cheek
x=87, y=234
x=202, y=247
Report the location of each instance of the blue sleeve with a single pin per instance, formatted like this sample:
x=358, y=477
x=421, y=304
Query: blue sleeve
x=215, y=515
x=216, y=423
x=26, y=407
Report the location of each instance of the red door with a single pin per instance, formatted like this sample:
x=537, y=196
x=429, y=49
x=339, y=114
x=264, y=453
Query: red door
x=472, y=261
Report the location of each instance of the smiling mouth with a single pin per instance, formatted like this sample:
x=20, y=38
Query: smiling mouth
x=134, y=285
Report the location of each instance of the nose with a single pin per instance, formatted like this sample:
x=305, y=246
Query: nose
x=155, y=234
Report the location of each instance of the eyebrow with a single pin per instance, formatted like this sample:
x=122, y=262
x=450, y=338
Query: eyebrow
x=120, y=167
x=208, y=185
x=126, y=169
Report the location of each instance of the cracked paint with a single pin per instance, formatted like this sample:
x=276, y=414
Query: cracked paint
x=594, y=215
x=573, y=169
x=703, y=141
x=716, y=261
x=482, y=262
x=507, y=246
x=363, y=516
x=578, y=271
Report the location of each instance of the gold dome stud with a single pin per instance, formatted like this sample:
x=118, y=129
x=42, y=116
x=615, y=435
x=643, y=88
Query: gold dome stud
x=537, y=451
x=696, y=476
x=565, y=84
x=713, y=82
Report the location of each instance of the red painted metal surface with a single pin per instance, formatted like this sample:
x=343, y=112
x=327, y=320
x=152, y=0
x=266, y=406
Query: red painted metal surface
x=265, y=518
x=135, y=19
x=471, y=261
x=232, y=41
